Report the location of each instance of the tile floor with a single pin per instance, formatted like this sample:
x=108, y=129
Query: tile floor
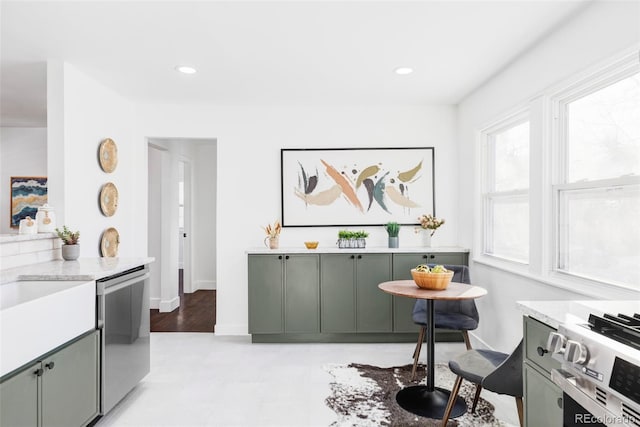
x=200, y=379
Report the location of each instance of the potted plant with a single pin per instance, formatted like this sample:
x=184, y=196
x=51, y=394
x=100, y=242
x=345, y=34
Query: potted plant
x=70, y=247
x=431, y=224
x=393, y=228
x=360, y=237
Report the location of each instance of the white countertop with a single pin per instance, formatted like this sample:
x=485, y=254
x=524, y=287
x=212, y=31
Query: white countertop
x=81, y=269
x=372, y=250
x=555, y=313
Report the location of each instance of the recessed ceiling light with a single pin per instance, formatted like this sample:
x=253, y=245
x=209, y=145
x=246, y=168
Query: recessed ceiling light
x=403, y=70
x=185, y=69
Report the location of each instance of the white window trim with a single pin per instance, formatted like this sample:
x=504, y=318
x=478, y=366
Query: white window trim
x=487, y=168
x=543, y=116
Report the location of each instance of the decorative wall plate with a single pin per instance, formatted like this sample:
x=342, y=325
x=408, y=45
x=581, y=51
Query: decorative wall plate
x=108, y=155
x=109, y=199
x=109, y=242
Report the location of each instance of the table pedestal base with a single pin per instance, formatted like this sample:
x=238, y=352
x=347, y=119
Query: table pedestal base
x=431, y=404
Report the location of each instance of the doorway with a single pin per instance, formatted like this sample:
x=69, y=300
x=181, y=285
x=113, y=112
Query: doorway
x=182, y=197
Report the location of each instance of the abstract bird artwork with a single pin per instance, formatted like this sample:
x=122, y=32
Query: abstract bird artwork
x=356, y=186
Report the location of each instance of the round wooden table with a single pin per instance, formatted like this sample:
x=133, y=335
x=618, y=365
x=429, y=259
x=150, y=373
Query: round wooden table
x=430, y=401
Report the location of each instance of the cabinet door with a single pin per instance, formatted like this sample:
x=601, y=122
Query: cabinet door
x=543, y=399
x=338, y=294
x=265, y=294
x=535, y=335
x=70, y=384
x=403, y=307
x=373, y=306
x=19, y=399
x=301, y=294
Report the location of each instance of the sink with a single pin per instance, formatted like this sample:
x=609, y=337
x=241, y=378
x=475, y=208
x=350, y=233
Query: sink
x=38, y=316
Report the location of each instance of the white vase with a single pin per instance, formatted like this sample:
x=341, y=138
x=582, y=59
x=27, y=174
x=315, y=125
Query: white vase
x=70, y=252
x=426, y=238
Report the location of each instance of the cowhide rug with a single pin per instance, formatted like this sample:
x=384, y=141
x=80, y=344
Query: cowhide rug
x=365, y=395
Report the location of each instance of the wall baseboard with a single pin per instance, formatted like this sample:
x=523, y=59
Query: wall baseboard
x=169, y=305
x=154, y=303
x=231, y=329
x=209, y=285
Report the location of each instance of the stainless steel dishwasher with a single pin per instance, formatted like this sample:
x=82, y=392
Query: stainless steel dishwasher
x=123, y=318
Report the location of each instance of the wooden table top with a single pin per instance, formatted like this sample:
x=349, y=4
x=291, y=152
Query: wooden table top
x=455, y=290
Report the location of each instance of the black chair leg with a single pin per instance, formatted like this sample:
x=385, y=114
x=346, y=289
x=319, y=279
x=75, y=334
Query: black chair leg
x=416, y=352
x=465, y=336
x=476, y=397
x=452, y=400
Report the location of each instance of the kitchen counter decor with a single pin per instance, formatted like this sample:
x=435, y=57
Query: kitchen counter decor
x=70, y=247
x=273, y=235
x=352, y=239
x=108, y=155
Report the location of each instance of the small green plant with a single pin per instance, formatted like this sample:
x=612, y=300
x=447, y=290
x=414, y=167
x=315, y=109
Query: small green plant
x=360, y=234
x=68, y=237
x=393, y=228
x=345, y=234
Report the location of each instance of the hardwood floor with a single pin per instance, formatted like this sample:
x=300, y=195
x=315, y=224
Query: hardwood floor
x=197, y=313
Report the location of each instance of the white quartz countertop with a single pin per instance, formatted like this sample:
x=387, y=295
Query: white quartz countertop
x=81, y=269
x=555, y=313
x=372, y=250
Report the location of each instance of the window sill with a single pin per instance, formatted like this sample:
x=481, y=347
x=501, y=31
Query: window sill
x=580, y=286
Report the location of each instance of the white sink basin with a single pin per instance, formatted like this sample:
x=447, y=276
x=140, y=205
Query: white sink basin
x=38, y=316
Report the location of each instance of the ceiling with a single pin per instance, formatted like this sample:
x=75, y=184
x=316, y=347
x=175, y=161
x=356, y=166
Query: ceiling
x=267, y=52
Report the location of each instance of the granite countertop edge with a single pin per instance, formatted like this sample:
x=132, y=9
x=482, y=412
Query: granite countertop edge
x=81, y=269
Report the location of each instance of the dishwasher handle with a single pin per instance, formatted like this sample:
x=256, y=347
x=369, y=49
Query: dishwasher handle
x=102, y=290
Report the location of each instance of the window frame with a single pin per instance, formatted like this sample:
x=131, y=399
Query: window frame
x=581, y=87
x=488, y=194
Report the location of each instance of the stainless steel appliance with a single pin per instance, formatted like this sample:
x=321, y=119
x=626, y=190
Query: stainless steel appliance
x=600, y=374
x=123, y=317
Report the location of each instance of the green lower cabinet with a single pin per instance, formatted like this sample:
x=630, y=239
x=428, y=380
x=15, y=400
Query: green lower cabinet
x=301, y=294
x=284, y=294
x=543, y=399
x=70, y=384
x=61, y=390
x=374, y=312
x=266, y=276
x=338, y=293
x=19, y=399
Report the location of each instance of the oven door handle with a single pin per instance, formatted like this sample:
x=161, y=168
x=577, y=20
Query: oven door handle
x=102, y=290
x=567, y=383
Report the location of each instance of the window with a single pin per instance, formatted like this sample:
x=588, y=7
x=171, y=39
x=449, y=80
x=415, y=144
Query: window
x=597, y=189
x=506, y=190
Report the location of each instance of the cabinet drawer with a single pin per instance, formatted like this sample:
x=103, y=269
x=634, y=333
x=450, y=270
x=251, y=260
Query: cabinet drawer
x=535, y=335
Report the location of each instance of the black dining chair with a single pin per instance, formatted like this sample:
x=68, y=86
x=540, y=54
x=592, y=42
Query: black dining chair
x=459, y=315
x=491, y=370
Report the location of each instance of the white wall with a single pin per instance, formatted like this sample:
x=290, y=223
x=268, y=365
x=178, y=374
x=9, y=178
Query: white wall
x=599, y=31
x=203, y=232
x=23, y=152
x=250, y=139
x=82, y=112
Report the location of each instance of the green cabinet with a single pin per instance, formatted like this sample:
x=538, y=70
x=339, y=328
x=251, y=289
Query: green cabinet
x=351, y=300
x=284, y=294
x=542, y=398
x=62, y=389
x=402, y=265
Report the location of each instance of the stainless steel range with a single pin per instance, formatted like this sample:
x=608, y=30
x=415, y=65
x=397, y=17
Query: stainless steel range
x=600, y=374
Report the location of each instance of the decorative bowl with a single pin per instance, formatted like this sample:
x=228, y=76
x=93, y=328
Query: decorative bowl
x=434, y=281
x=311, y=245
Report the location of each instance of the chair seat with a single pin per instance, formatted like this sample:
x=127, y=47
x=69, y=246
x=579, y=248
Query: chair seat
x=456, y=321
x=475, y=365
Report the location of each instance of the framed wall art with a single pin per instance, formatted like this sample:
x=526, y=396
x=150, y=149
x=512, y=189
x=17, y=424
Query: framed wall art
x=356, y=186
x=28, y=193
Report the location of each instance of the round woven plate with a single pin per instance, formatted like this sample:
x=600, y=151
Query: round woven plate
x=109, y=242
x=108, y=154
x=109, y=199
